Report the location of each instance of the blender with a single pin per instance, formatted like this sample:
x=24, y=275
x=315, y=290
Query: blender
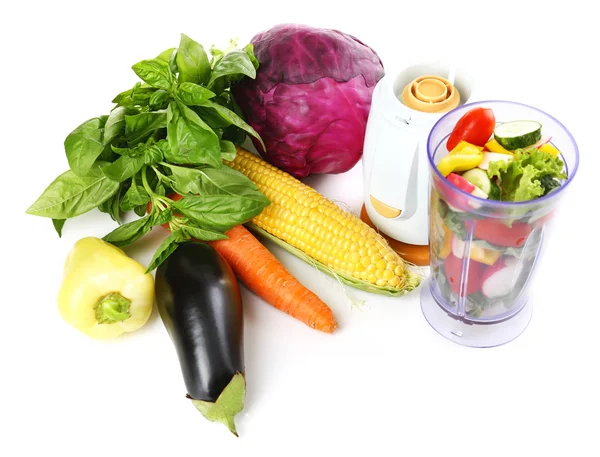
x=404, y=107
x=479, y=293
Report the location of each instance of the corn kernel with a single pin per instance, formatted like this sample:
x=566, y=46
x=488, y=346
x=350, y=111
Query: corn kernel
x=394, y=282
x=376, y=258
x=389, y=257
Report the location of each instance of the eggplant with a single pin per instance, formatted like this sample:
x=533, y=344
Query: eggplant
x=199, y=301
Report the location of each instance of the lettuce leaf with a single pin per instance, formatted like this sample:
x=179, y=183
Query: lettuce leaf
x=521, y=179
x=456, y=225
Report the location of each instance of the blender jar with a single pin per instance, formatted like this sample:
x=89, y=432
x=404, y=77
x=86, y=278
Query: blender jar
x=483, y=252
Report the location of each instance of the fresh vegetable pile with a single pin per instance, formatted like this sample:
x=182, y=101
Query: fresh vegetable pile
x=169, y=152
x=484, y=254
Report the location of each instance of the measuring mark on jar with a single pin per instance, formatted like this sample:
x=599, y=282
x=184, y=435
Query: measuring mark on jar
x=457, y=333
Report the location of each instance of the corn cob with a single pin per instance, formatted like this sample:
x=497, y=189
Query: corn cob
x=317, y=230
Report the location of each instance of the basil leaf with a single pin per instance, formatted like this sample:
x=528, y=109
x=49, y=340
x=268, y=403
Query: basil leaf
x=221, y=212
x=153, y=155
x=235, y=135
x=212, y=118
x=160, y=189
x=169, y=56
x=185, y=180
x=227, y=181
x=124, y=168
x=138, y=96
x=111, y=206
x=58, y=226
x=130, y=232
x=162, y=217
x=228, y=150
x=224, y=181
x=191, y=141
x=84, y=145
x=140, y=210
x=165, y=56
x=234, y=65
x=115, y=124
x=249, y=50
x=231, y=117
x=193, y=94
x=135, y=196
x=70, y=195
x=159, y=99
x=173, y=63
x=166, y=248
x=140, y=126
x=216, y=53
x=204, y=234
x=115, y=208
x=129, y=152
x=192, y=61
x=155, y=72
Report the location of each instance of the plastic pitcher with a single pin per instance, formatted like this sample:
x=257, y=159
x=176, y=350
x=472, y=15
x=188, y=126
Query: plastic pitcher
x=483, y=252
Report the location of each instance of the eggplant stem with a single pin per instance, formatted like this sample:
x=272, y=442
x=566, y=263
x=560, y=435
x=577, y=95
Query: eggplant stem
x=229, y=403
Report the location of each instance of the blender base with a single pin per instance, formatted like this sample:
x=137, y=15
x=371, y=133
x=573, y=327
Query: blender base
x=413, y=253
x=472, y=334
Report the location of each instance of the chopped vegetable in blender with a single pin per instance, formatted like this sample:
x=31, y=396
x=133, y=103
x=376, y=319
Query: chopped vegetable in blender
x=520, y=180
x=518, y=164
x=521, y=164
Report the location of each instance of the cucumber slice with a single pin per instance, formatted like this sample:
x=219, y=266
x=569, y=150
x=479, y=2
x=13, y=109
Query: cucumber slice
x=518, y=134
x=478, y=178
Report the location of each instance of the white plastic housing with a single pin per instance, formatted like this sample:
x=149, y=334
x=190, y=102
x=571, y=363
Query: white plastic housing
x=395, y=169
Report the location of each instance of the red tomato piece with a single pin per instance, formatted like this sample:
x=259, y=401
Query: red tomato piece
x=496, y=232
x=475, y=127
x=453, y=269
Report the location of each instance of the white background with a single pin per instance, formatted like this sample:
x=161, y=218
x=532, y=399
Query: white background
x=385, y=383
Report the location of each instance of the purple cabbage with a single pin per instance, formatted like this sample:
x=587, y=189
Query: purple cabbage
x=311, y=98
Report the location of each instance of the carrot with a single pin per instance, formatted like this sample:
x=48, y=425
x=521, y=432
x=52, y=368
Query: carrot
x=264, y=275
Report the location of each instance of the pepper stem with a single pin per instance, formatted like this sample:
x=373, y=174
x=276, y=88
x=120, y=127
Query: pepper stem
x=112, y=308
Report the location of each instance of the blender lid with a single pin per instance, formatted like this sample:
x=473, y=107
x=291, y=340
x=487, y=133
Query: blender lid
x=431, y=94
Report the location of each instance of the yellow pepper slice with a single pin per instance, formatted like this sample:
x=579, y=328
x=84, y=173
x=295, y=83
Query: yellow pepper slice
x=549, y=149
x=459, y=162
x=104, y=293
x=446, y=248
x=466, y=148
x=486, y=256
x=494, y=146
x=463, y=157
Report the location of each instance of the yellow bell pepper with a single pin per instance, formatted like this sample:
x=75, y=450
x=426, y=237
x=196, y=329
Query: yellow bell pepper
x=549, y=149
x=494, y=146
x=104, y=293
